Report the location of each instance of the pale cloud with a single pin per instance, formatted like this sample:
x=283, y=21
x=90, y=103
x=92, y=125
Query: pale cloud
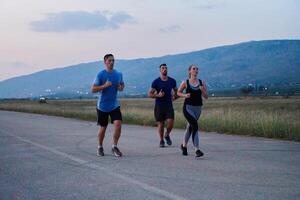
x=81, y=21
x=207, y=4
x=168, y=29
x=207, y=7
x=18, y=64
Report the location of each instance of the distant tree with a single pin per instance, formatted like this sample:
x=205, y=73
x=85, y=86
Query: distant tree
x=289, y=93
x=247, y=90
x=261, y=88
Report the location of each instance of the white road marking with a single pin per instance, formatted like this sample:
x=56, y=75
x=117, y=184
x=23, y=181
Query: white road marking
x=144, y=186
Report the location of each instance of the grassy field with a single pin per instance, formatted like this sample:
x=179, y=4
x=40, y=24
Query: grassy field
x=269, y=117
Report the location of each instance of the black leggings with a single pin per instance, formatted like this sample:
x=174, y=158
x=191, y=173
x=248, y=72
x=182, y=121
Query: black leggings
x=192, y=128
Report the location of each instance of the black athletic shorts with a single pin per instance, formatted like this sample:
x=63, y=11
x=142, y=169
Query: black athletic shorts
x=102, y=117
x=161, y=113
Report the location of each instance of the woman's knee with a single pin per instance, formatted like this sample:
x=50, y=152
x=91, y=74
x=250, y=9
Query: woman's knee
x=194, y=126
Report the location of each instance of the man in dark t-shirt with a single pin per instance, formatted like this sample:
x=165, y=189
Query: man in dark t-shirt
x=164, y=90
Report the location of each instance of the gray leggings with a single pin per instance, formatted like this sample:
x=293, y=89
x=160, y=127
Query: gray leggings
x=192, y=114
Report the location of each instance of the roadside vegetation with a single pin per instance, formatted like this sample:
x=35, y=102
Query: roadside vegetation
x=265, y=117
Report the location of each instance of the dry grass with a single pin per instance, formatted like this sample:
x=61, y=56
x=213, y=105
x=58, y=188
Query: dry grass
x=272, y=117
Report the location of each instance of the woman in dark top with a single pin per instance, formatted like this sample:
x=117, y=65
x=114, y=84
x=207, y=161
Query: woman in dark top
x=195, y=89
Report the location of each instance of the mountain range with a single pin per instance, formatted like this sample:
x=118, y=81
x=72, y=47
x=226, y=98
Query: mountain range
x=271, y=63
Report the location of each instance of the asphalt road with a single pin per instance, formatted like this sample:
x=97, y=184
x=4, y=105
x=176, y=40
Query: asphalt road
x=45, y=157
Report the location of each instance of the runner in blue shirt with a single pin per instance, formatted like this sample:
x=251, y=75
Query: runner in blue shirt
x=164, y=90
x=108, y=82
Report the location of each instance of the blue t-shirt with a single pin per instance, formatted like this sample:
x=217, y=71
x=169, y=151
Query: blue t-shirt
x=166, y=87
x=108, y=99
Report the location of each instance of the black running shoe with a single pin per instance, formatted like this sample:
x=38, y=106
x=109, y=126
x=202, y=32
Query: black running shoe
x=100, y=151
x=184, y=150
x=168, y=140
x=116, y=152
x=162, y=144
x=199, y=153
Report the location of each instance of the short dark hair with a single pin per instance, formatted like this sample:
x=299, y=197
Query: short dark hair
x=107, y=56
x=162, y=65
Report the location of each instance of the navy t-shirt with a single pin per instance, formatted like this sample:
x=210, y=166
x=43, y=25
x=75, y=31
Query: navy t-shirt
x=166, y=87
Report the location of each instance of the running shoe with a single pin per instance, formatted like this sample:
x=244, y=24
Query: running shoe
x=199, y=153
x=162, y=144
x=100, y=151
x=168, y=140
x=116, y=152
x=184, y=150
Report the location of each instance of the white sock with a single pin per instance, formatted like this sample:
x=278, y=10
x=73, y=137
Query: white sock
x=113, y=146
x=99, y=146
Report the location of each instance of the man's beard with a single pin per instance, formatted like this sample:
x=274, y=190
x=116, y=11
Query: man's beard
x=165, y=73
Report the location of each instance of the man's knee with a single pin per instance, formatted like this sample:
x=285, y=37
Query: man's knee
x=160, y=124
x=102, y=128
x=170, y=121
x=117, y=123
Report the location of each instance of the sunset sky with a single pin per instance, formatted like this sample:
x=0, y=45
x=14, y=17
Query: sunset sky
x=45, y=34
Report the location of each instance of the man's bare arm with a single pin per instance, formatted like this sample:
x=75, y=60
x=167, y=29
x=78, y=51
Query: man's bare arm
x=175, y=96
x=153, y=94
x=121, y=87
